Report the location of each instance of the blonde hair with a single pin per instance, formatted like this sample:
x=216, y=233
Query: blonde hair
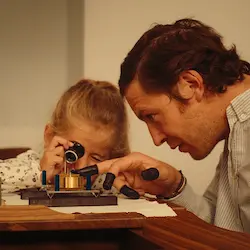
x=100, y=103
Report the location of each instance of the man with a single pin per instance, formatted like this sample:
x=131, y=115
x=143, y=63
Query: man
x=192, y=92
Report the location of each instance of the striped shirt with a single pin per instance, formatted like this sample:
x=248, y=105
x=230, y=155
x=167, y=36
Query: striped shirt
x=226, y=202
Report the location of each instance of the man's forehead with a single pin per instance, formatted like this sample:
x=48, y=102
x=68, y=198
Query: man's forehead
x=138, y=98
x=135, y=94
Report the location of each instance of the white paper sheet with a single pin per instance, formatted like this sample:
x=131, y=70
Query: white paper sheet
x=14, y=199
x=142, y=206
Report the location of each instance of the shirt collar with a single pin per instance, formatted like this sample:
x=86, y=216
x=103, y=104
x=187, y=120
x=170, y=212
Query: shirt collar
x=239, y=108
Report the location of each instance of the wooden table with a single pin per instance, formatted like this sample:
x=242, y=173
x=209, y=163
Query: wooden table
x=38, y=227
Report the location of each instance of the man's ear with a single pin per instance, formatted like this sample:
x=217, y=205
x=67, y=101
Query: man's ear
x=190, y=85
x=48, y=134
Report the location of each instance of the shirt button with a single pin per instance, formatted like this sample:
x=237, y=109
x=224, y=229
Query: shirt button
x=236, y=175
x=243, y=116
x=238, y=222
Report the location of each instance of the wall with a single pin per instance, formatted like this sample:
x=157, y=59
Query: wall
x=38, y=47
x=44, y=43
x=111, y=29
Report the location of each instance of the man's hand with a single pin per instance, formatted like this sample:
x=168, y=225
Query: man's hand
x=136, y=174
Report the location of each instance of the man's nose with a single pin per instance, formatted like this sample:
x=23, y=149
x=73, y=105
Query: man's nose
x=157, y=136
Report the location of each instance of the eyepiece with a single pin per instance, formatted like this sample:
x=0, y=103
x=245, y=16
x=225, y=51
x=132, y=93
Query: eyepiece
x=75, y=152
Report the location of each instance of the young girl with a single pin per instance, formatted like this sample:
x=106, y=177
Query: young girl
x=91, y=113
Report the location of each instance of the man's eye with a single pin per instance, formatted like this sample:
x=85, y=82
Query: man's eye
x=150, y=117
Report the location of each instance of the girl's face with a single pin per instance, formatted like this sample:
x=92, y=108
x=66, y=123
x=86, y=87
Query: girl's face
x=96, y=141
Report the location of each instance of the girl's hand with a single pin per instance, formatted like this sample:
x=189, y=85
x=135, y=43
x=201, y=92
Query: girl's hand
x=52, y=160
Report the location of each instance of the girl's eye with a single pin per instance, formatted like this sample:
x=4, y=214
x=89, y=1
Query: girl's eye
x=95, y=158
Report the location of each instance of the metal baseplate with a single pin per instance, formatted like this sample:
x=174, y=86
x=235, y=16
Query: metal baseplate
x=68, y=198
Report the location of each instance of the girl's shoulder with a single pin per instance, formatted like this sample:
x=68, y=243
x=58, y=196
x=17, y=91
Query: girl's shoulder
x=30, y=155
x=27, y=156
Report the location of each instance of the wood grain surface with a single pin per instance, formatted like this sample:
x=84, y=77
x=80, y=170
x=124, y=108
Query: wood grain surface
x=38, y=227
x=187, y=231
x=28, y=218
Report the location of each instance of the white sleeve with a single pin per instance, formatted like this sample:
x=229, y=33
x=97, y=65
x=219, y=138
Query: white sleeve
x=20, y=172
x=203, y=206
